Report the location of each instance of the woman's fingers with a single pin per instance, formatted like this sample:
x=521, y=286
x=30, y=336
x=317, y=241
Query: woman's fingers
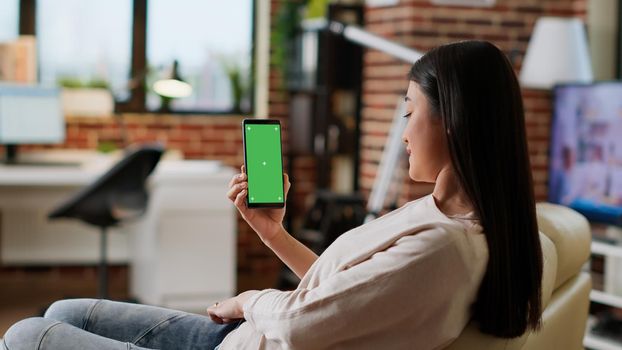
x=237, y=178
x=216, y=319
x=219, y=320
x=239, y=199
x=237, y=183
x=238, y=188
x=211, y=312
x=235, y=190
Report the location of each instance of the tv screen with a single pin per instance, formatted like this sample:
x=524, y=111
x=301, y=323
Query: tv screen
x=586, y=150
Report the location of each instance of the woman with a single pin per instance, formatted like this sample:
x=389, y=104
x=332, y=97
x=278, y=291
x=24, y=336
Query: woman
x=410, y=279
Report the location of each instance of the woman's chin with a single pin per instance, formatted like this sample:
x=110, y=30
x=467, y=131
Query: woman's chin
x=413, y=176
x=420, y=178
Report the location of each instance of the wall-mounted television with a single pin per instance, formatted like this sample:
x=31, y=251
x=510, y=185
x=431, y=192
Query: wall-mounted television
x=585, y=166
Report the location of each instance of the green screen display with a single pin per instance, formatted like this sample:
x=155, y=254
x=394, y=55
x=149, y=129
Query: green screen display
x=263, y=163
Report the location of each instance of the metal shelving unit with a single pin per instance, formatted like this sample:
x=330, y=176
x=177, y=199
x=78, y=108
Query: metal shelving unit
x=606, y=298
x=593, y=341
x=612, y=254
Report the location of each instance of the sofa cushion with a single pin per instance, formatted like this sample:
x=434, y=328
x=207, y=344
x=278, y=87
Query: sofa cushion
x=563, y=321
x=570, y=232
x=549, y=268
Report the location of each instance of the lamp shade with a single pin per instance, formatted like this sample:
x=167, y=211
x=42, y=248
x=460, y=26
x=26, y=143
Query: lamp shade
x=557, y=53
x=172, y=86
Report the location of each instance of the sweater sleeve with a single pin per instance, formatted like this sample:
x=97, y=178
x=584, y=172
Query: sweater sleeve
x=412, y=276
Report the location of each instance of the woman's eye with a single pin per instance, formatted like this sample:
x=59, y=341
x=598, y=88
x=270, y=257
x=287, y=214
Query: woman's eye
x=407, y=115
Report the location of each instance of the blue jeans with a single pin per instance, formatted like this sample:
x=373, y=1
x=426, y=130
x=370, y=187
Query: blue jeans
x=102, y=324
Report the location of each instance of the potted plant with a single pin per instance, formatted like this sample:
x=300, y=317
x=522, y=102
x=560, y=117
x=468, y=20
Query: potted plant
x=239, y=86
x=90, y=99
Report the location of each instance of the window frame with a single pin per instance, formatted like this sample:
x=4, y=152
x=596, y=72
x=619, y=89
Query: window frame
x=137, y=101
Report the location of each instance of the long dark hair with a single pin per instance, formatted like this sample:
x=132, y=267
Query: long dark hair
x=471, y=85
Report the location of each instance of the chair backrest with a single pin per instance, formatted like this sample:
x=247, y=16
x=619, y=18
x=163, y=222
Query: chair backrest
x=121, y=190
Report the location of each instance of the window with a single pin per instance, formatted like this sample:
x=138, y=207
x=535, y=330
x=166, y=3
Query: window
x=107, y=42
x=85, y=42
x=212, y=42
x=9, y=16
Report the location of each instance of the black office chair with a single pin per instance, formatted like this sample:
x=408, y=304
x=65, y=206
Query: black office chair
x=116, y=196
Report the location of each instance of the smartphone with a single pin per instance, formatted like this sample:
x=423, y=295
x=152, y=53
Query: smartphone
x=263, y=161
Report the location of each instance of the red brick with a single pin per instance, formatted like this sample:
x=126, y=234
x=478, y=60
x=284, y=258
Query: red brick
x=479, y=21
x=450, y=20
x=535, y=9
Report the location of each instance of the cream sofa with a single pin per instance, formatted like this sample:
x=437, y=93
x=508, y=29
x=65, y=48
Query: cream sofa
x=565, y=237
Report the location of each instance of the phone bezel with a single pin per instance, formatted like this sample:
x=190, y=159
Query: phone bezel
x=246, y=122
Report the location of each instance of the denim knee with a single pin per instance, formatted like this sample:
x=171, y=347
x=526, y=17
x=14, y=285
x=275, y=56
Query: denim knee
x=27, y=334
x=72, y=311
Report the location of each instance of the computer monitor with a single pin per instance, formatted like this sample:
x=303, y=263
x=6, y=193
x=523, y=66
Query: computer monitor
x=586, y=150
x=29, y=115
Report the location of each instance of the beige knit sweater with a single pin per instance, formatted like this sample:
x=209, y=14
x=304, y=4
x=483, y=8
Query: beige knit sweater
x=406, y=280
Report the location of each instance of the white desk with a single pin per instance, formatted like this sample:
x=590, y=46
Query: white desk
x=181, y=252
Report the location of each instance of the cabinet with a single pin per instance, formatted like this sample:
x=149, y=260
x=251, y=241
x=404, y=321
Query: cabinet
x=184, y=251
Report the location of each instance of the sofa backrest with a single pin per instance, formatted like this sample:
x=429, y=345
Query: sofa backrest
x=570, y=232
x=565, y=239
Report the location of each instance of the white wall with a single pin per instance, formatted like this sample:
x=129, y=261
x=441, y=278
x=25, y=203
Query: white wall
x=262, y=58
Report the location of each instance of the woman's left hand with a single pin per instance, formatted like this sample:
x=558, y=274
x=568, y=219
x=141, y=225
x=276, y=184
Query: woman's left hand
x=229, y=310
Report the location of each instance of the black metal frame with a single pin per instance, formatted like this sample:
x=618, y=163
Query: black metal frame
x=619, y=43
x=136, y=103
x=339, y=63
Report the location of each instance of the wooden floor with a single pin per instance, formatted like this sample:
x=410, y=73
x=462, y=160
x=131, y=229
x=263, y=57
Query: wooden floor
x=27, y=292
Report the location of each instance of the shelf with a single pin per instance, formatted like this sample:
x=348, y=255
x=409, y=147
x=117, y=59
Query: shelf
x=611, y=252
x=597, y=342
x=606, y=249
x=605, y=298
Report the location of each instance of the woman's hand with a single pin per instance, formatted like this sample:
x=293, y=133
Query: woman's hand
x=231, y=309
x=266, y=222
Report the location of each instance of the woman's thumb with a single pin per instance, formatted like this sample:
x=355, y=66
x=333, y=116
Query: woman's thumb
x=286, y=183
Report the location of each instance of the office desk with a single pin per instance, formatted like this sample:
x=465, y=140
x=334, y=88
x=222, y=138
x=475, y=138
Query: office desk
x=181, y=252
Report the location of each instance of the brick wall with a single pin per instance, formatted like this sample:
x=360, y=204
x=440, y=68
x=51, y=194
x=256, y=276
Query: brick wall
x=422, y=25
